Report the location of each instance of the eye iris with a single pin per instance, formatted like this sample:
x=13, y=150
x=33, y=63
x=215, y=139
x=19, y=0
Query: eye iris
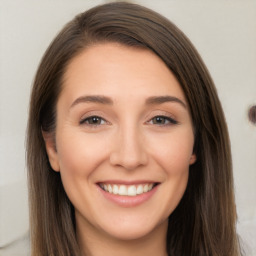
x=159, y=120
x=94, y=120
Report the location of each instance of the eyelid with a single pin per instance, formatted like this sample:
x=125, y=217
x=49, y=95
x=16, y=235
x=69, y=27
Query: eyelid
x=172, y=120
x=83, y=120
x=169, y=117
x=92, y=114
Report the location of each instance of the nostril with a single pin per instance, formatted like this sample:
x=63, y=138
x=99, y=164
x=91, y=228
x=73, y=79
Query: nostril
x=252, y=114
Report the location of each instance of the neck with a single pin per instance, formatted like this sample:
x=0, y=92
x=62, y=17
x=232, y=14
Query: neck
x=95, y=243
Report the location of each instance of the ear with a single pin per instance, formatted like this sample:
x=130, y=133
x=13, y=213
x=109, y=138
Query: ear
x=51, y=150
x=192, y=159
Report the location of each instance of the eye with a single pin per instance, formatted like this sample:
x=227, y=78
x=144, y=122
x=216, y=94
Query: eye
x=93, y=120
x=162, y=120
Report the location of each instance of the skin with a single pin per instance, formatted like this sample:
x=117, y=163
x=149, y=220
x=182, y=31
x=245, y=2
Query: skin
x=126, y=144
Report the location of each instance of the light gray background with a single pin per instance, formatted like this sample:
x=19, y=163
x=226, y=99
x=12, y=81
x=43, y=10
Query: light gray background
x=224, y=32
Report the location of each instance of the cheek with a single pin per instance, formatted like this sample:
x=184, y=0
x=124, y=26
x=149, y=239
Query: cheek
x=174, y=152
x=80, y=154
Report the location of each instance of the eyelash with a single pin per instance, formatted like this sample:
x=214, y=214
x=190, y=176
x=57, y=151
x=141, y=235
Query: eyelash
x=170, y=120
x=167, y=121
x=90, y=118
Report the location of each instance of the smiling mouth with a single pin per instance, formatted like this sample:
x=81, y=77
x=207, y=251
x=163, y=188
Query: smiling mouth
x=127, y=190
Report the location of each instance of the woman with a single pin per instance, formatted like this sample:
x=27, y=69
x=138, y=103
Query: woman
x=128, y=150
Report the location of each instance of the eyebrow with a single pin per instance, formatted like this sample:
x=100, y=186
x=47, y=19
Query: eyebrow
x=163, y=99
x=154, y=100
x=93, y=99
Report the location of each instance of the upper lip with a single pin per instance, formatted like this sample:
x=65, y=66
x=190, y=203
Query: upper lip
x=125, y=182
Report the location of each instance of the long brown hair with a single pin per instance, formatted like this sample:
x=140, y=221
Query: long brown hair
x=204, y=222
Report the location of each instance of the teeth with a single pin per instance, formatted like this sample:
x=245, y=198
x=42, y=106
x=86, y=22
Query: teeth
x=115, y=189
x=145, y=188
x=124, y=190
x=109, y=189
x=131, y=191
x=139, y=190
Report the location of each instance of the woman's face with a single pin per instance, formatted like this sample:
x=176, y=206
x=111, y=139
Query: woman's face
x=124, y=141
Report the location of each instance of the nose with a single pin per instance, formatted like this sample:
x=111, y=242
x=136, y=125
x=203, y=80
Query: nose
x=129, y=149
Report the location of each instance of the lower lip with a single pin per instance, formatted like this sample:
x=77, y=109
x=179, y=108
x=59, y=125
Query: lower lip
x=129, y=201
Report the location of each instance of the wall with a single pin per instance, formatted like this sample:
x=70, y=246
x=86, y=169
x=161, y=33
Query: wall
x=224, y=32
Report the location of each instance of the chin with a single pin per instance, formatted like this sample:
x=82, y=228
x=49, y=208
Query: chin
x=127, y=231
x=128, y=234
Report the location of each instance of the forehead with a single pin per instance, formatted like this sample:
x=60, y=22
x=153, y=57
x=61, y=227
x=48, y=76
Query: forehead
x=113, y=70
